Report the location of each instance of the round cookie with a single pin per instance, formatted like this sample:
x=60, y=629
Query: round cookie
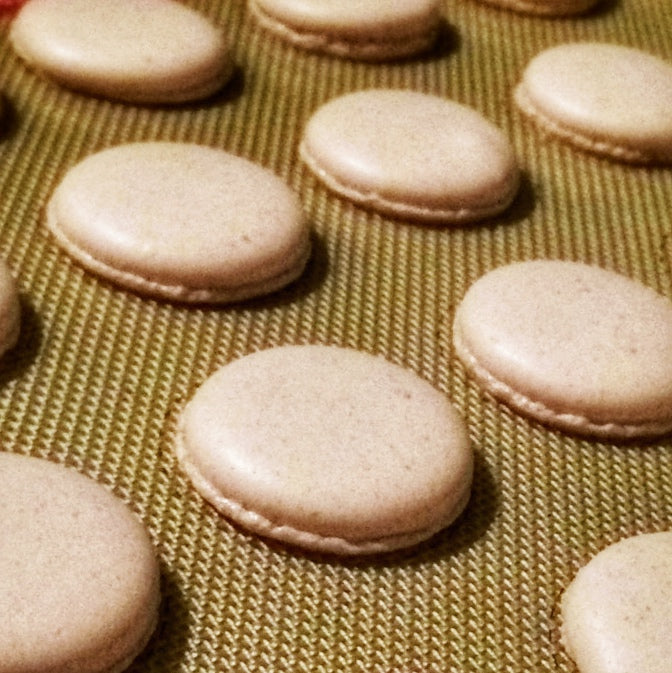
x=79, y=579
x=617, y=612
x=180, y=221
x=356, y=29
x=411, y=155
x=328, y=449
x=10, y=310
x=572, y=345
x=139, y=51
x=608, y=99
x=548, y=8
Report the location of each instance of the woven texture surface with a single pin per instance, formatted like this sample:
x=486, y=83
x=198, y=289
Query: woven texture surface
x=101, y=374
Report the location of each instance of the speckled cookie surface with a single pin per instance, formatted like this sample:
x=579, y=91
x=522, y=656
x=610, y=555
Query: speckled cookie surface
x=180, y=221
x=144, y=51
x=79, y=581
x=575, y=346
x=608, y=99
x=411, y=155
x=617, y=612
x=375, y=31
x=10, y=310
x=327, y=448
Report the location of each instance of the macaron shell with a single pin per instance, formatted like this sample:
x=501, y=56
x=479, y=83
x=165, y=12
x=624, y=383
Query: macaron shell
x=79, y=580
x=617, y=612
x=357, y=29
x=605, y=98
x=549, y=8
x=575, y=346
x=10, y=310
x=180, y=221
x=411, y=155
x=327, y=448
x=146, y=51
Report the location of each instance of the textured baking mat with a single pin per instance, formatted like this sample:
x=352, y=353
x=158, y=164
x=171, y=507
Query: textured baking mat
x=100, y=374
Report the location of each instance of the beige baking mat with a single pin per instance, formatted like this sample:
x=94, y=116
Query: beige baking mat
x=101, y=373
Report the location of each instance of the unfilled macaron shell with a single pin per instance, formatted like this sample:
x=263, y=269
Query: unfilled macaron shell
x=411, y=155
x=617, y=612
x=376, y=31
x=572, y=345
x=79, y=579
x=608, y=99
x=10, y=310
x=548, y=8
x=180, y=221
x=328, y=449
x=145, y=51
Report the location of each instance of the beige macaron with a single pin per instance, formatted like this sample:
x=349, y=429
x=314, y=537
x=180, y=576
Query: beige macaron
x=412, y=156
x=140, y=51
x=180, y=221
x=572, y=345
x=79, y=578
x=548, y=8
x=608, y=99
x=328, y=449
x=617, y=612
x=356, y=29
x=10, y=310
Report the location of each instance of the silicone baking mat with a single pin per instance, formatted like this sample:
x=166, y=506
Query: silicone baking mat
x=100, y=374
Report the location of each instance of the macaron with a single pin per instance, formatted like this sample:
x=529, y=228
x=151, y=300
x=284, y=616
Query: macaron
x=617, y=612
x=370, y=31
x=138, y=51
x=10, y=310
x=548, y=8
x=571, y=345
x=180, y=221
x=412, y=156
x=608, y=99
x=79, y=578
x=327, y=449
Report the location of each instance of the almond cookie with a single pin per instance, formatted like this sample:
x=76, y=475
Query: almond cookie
x=572, y=345
x=608, y=99
x=373, y=31
x=79, y=579
x=139, y=51
x=180, y=221
x=10, y=310
x=328, y=449
x=617, y=612
x=411, y=155
x=548, y=8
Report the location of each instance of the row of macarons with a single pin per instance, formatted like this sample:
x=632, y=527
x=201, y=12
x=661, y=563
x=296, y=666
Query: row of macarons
x=598, y=96
x=193, y=223
x=162, y=51
x=337, y=451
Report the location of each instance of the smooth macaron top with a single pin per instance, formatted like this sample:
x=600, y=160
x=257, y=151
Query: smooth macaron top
x=411, y=155
x=607, y=98
x=79, y=579
x=353, y=28
x=617, y=612
x=571, y=344
x=181, y=221
x=151, y=51
x=327, y=448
